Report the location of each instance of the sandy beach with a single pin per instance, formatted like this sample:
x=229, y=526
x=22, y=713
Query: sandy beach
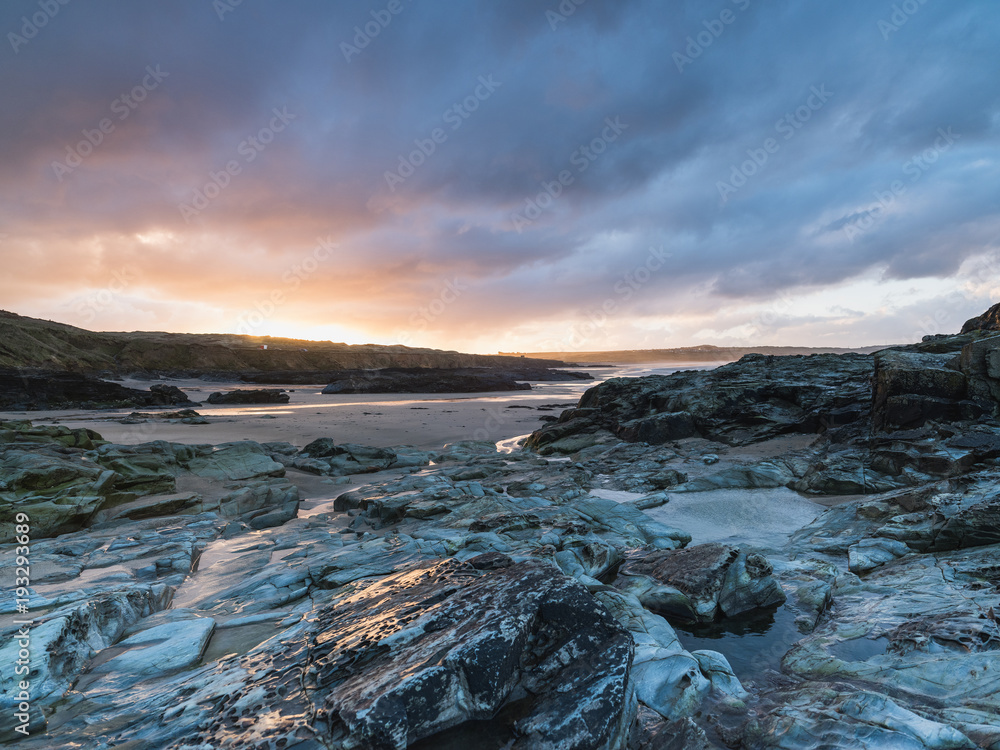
x=426, y=421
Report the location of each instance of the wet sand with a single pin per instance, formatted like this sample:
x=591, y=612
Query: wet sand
x=426, y=421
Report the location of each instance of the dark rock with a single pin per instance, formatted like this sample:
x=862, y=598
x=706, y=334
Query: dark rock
x=323, y=456
x=980, y=361
x=168, y=395
x=652, y=732
x=260, y=396
x=700, y=583
x=988, y=321
x=48, y=389
x=320, y=448
x=975, y=526
x=431, y=380
x=757, y=398
x=667, y=478
x=421, y=652
x=658, y=429
x=911, y=389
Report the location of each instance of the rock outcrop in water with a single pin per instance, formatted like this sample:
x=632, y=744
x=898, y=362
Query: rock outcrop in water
x=466, y=598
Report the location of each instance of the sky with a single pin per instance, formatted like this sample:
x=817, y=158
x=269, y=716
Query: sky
x=514, y=175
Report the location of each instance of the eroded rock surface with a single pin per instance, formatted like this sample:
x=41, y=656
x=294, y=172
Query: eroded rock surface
x=465, y=598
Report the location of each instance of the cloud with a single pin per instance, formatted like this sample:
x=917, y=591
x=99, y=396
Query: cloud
x=809, y=214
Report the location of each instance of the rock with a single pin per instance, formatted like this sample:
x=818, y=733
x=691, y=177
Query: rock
x=63, y=641
x=912, y=388
x=849, y=719
x=478, y=641
x=430, y=380
x=980, y=361
x=700, y=583
x=651, y=501
x=360, y=459
x=757, y=398
x=236, y=461
x=275, y=517
x=323, y=456
x=658, y=429
x=716, y=668
x=763, y=474
x=151, y=653
x=869, y=554
x=58, y=495
x=988, y=321
x=668, y=478
x=259, y=396
x=652, y=732
x=26, y=389
x=184, y=416
x=919, y=628
x=168, y=395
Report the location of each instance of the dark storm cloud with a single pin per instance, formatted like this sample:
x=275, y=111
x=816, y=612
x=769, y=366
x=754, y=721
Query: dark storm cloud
x=514, y=101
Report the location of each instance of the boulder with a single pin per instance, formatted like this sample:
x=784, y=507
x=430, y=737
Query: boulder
x=980, y=361
x=256, y=396
x=987, y=322
x=912, y=388
x=700, y=583
x=236, y=461
x=435, y=380
x=57, y=494
x=323, y=456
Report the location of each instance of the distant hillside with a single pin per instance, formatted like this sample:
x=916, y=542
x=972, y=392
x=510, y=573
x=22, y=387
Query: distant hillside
x=32, y=343
x=690, y=354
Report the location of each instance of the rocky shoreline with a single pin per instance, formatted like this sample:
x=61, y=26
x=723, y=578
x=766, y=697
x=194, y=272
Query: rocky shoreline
x=465, y=597
x=42, y=390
